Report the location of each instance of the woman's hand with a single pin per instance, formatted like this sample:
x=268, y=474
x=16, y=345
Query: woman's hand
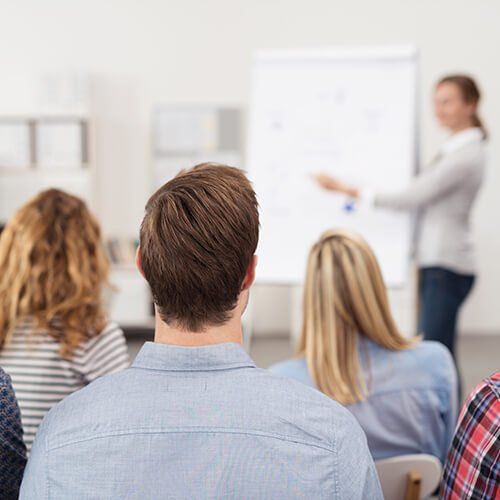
x=332, y=184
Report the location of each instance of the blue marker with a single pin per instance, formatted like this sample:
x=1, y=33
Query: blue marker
x=350, y=206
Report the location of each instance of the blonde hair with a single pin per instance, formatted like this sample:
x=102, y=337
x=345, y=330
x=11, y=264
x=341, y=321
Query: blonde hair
x=344, y=297
x=53, y=270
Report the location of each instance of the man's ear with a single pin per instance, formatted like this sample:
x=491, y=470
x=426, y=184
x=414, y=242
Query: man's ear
x=138, y=260
x=250, y=275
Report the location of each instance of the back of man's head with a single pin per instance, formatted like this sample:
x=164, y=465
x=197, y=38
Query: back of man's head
x=197, y=241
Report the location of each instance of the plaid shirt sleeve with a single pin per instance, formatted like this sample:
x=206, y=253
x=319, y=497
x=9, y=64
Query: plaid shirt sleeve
x=12, y=448
x=472, y=467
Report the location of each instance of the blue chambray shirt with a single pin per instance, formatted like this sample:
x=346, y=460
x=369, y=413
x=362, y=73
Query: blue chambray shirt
x=412, y=405
x=199, y=422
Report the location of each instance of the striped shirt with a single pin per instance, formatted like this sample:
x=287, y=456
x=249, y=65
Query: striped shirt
x=41, y=378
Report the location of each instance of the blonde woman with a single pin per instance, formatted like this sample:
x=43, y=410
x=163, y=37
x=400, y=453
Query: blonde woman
x=54, y=336
x=402, y=391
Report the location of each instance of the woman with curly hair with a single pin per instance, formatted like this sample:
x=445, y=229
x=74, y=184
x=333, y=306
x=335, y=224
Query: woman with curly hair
x=54, y=335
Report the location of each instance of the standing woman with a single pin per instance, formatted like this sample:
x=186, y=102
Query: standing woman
x=444, y=194
x=54, y=334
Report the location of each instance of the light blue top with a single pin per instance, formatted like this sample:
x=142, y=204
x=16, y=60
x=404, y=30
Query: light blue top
x=412, y=405
x=199, y=422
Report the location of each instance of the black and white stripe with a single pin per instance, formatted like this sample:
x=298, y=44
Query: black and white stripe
x=41, y=378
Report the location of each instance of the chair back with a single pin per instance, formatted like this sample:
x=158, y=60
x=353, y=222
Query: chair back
x=409, y=477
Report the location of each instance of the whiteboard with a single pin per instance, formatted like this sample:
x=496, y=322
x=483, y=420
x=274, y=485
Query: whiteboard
x=347, y=112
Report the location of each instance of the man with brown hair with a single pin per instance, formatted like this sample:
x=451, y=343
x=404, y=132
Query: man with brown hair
x=193, y=417
x=198, y=240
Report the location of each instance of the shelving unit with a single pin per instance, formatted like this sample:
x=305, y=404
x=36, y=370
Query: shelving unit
x=58, y=152
x=184, y=135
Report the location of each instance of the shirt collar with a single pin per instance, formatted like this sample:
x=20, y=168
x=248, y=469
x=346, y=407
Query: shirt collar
x=166, y=357
x=467, y=136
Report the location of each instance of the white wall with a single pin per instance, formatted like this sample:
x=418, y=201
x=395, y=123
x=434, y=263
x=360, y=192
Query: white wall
x=143, y=52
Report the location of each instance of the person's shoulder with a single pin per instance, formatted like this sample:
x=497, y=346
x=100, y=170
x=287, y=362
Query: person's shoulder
x=305, y=408
x=6, y=385
x=424, y=366
x=432, y=350
x=435, y=360
x=111, y=331
x=277, y=377
x=96, y=392
x=111, y=326
x=494, y=382
x=87, y=402
x=4, y=378
x=295, y=394
x=488, y=388
x=469, y=155
x=290, y=367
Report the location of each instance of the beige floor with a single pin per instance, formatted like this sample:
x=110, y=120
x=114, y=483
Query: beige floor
x=479, y=356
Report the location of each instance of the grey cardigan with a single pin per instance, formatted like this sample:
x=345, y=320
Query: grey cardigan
x=444, y=195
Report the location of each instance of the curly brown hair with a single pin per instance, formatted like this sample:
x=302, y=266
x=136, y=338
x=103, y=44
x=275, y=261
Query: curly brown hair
x=53, y=270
